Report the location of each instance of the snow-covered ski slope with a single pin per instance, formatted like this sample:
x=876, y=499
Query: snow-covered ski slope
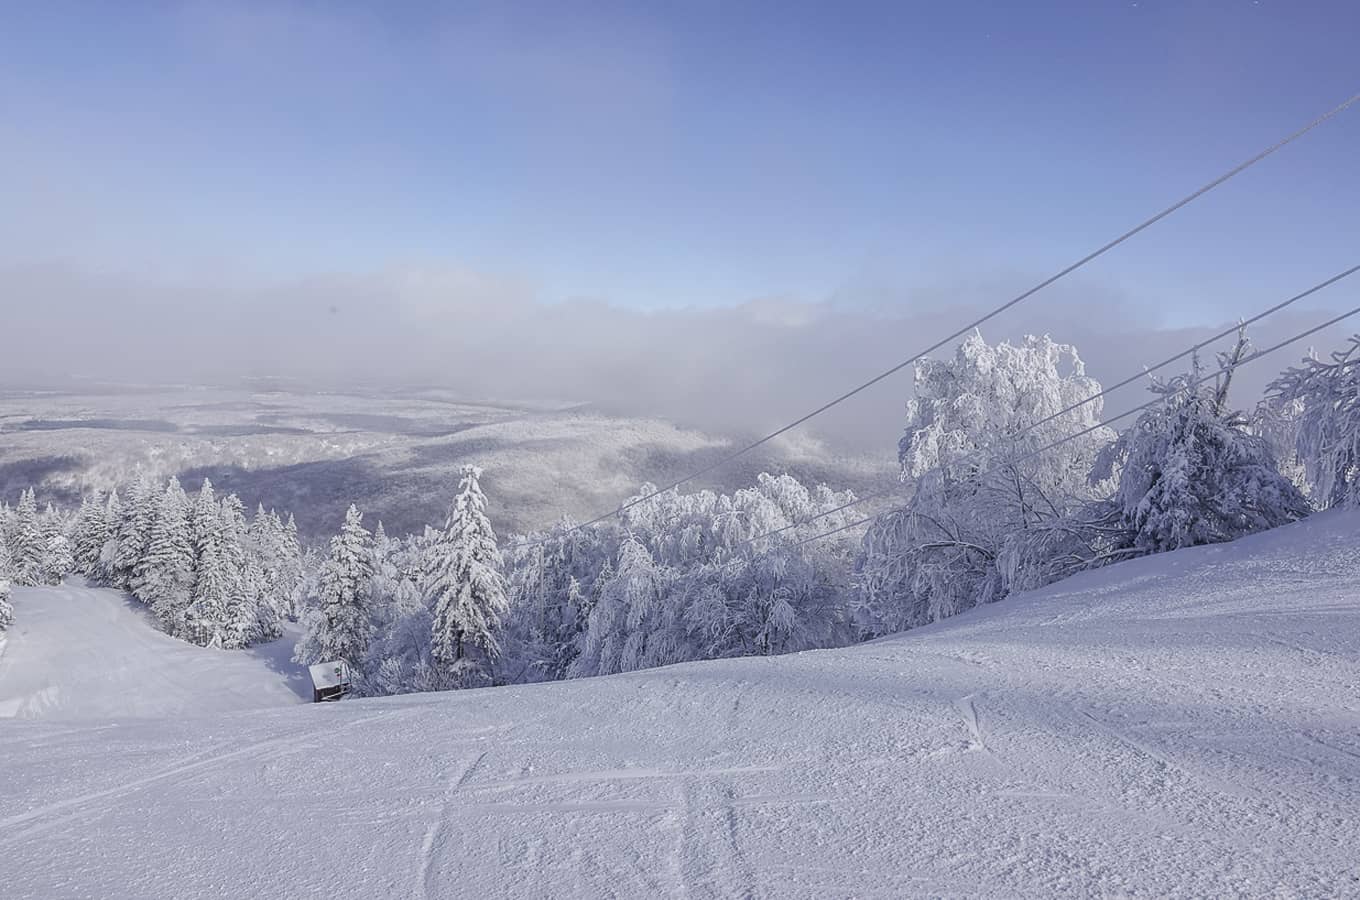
x=1185, y=725
x=77, y=652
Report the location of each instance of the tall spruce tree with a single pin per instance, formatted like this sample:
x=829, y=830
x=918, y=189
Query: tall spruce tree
x=466, y=588
x=26, y=543
x=338, y=627
x=164, y=577
x=207, y=617
x=134, y=529
x=91, y=532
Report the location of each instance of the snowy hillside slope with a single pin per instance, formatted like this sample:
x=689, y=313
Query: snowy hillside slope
x=1184, y=725
x=77, y=652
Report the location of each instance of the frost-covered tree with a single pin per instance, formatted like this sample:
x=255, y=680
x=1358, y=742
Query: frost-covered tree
x=164, y=577
x=629, y=613
x=337, y=626
x=6, y=574
x=27, y=544
x=681, y=577
x=548, y=585
x=466, y=590
x=208, y=616
x=103, y=569
x=58, y=559
x=978, y=484
x=90, y=532
x=1190, y=472
x=1324, y=398
x=6, y=607
x=138, y=514
x=274, y=546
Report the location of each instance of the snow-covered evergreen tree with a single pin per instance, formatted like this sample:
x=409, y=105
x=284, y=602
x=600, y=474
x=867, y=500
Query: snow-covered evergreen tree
x=208, y=618
x=6, y=607
x=27, y=544
x=134, y=529
x=164, y=577
x=58, y=559
x=91, y=531
x=1325, y=399
x=466, y=588
x=1190, y=472
x=103, y=569
x=337, y=626
x=6, y=574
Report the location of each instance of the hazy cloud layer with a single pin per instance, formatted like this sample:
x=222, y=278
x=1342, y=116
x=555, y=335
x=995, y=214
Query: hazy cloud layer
x=750, y=367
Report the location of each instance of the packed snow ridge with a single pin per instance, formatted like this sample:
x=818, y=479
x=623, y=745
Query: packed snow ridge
x=1185, y=724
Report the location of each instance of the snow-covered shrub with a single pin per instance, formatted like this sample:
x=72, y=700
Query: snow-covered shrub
x=1325, y=400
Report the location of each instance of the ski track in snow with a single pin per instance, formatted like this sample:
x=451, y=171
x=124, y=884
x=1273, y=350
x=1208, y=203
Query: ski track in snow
x=433, y=848
x=1184, y=725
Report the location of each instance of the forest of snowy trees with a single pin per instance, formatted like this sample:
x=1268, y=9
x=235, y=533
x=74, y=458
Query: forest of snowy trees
x=1009, y=481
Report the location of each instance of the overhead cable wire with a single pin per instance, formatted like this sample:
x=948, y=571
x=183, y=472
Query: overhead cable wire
x=1249, y=359
x=1014, y=301
x=1147, y=370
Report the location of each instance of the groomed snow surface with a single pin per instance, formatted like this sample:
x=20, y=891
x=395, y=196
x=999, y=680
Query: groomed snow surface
x=1184, y=725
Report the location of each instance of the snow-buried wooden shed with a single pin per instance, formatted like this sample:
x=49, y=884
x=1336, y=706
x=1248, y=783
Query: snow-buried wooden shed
x=330, y=680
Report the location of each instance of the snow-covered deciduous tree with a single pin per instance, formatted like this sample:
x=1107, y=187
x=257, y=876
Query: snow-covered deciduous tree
x=1190, y=472
x=550, y=600
x=465, y=587
x=1324, y=397
x=681, y=577
x=337, y=627
x=977, y=481
x=629, y=613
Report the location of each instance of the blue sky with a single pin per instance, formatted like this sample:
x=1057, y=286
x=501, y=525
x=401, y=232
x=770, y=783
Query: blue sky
x=687, y=154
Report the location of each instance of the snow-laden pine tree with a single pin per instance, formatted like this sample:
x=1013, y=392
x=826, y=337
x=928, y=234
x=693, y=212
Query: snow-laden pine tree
x=466, y=590
x=975, y=490
x=337, y=625
x=6, y=607
x=1190, y=472
x=1326, y=429
x=249, y=619
x=265, y=544
x=164, y=577
x=134, y=528
x=6, y=573
x=208, y=619
x=102, y=570
x=91, y=533
x=58, y=558
x=292, y=570
x=27, y=545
